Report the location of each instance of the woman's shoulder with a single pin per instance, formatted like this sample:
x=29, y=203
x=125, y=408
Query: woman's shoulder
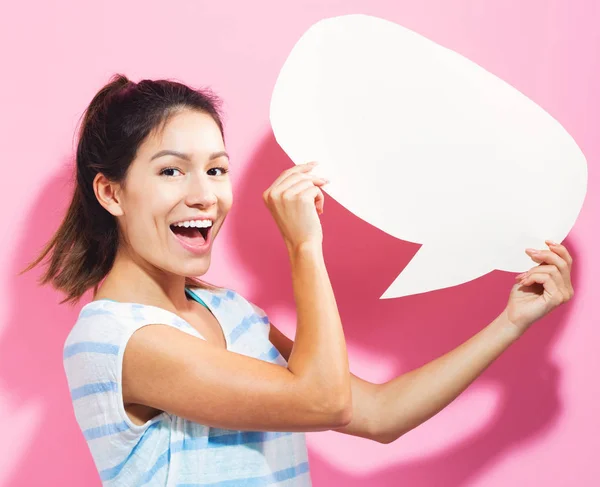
x=111, y=323
x=97, y=326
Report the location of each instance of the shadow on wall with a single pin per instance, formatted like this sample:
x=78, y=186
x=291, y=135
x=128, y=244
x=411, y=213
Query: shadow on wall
x=31, y=349
x=362, y=261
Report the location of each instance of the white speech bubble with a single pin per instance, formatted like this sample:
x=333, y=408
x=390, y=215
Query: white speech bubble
x=429, y=147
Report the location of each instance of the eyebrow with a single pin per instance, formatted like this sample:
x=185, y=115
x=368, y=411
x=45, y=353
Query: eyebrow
x=187, y=157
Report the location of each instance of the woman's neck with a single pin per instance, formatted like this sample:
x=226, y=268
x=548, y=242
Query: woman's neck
x=130, y=282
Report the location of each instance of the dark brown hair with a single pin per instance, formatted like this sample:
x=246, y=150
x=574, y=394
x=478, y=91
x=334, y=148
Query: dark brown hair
x=120, y=116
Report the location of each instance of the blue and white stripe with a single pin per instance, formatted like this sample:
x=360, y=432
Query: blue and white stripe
x=196, y=455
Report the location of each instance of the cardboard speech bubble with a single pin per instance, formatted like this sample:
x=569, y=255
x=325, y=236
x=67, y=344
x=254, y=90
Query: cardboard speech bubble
x=429, y=147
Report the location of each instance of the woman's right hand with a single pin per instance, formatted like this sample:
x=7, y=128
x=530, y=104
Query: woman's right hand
x=294, y=199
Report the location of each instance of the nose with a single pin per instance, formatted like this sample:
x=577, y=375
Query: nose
x=200, y=191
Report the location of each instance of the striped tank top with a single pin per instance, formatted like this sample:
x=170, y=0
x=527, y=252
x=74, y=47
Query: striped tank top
x=169, y=450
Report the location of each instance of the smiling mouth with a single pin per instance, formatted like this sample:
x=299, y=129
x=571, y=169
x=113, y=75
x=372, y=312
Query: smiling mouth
x=193, y=235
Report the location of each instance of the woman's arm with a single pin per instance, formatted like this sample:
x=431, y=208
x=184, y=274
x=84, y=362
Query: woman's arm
x=364, y=394
x=318, y=357
x=412, y=398
x=384, y=412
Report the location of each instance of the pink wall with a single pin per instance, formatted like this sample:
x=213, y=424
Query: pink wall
x=530, y=419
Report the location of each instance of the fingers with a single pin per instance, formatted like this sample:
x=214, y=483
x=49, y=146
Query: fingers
x=562, y=251
x=298, y=187
x=555, y=263
x=291, y=176
x=551, y=289
x=308, y=190
x=551, y=270
x=300, y=168
x=549, y=257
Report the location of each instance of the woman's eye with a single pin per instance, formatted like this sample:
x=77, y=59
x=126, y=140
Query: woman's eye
x=225, y=170
x=170, y=170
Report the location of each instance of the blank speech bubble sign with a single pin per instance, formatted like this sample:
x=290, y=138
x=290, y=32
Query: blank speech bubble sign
x=428, y=147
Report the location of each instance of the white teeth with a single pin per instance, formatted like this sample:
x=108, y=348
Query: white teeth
x=194, y=223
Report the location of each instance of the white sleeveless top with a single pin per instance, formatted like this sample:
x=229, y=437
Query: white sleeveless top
x=169, y=450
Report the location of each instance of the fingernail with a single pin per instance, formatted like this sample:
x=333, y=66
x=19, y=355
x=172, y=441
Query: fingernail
x=531, y=251
x=552, y=242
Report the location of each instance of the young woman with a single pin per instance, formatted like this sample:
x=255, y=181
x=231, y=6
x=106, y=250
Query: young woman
x=178, y=382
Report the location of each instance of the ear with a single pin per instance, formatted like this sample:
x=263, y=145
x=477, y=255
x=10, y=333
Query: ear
x=107, y=194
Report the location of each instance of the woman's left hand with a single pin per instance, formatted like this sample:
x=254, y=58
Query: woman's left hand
x=541, y=288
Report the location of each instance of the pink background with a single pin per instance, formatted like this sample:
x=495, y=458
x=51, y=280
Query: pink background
x=530, y=419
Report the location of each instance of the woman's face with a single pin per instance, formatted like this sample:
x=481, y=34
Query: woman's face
x=163, y=188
